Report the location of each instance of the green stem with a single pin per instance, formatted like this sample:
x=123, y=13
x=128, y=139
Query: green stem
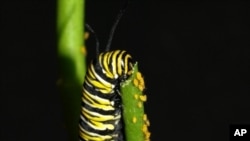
x=136, y=122
x=72, y=66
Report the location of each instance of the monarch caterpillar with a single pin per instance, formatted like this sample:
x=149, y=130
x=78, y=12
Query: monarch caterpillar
x=101, y=110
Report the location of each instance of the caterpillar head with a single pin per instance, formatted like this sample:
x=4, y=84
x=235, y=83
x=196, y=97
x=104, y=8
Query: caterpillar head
x=116, y=65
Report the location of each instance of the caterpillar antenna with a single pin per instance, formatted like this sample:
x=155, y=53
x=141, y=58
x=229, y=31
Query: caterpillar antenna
x=96, y=38
x=120, y=14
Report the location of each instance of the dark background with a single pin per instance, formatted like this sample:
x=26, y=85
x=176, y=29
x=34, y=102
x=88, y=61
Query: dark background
x=194, y=57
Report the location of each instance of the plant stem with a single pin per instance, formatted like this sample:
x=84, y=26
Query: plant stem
x=136, y=122
x=72, y=66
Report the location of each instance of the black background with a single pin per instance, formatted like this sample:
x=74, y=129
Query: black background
x=194, y=57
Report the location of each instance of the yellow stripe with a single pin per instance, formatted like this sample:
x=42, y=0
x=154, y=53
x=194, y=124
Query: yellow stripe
x=98, y=86
x=105, y=61
x=105, y=104
x=119, y=63
x=114, y=63
x=99, y=78
x=102, y=57
x=91, y=74
x=92, y=136
x=109, y=56
x=106, y=91
x=106, y=85
x=98, y=117
x=98, y=125
x=99, y=106
x=126, y=63
x=85, y=96
x=101, y=126
x=100, y=100
x=95, y=83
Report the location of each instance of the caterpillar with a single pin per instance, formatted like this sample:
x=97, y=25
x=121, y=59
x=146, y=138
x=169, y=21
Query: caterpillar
x=101, y=108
